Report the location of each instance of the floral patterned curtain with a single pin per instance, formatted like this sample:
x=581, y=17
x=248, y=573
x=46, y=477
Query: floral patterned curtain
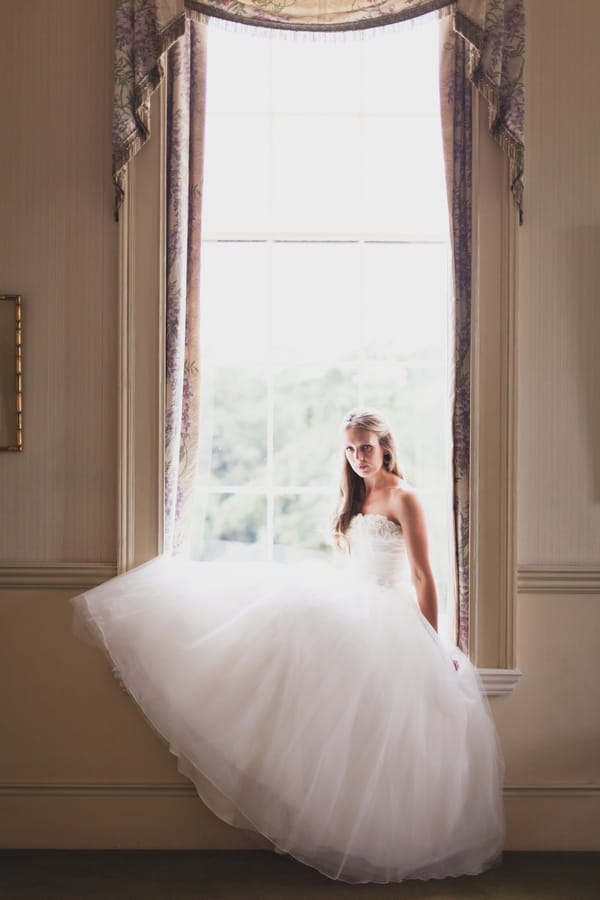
x=144, y=31
x=186, y=91
x=456, y=111
x=494, y=32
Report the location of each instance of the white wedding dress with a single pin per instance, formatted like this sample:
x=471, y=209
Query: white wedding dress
x=314, y=705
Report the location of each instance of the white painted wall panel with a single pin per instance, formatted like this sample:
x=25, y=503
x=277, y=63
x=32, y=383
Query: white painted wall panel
x=58, y=249
x=559, y=297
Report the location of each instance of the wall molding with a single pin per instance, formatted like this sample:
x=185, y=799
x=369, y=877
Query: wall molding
x=185, y=790
x=552, y=791
x=78, y=790
x=141, y=376
x=531, y=579
x=549, y=579
x=54, y=575
x=126, y=380
x=493, y=499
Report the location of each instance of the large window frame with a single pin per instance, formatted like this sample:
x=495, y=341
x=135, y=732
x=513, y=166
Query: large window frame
x=142, y=231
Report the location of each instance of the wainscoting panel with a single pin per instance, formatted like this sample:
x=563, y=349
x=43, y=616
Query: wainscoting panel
x=81, y=768
x=114, y=816
x=170, y=816
x=553, y=817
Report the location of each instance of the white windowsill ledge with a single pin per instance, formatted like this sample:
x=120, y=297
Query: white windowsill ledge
x=497, y=682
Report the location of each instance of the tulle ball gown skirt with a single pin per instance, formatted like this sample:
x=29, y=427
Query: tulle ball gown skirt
x=315, y=707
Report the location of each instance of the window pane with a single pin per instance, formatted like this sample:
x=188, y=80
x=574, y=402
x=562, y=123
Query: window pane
x=235, y=303
x=403, y=190
x=304, y=521
x=394, y=57
x=233, y=418
x=316, y=161
x=248, y=87
x=315, y=76
x=237, y=156
x=315, y=302
x=405, y=287
x=308, y=410
x=233, y=518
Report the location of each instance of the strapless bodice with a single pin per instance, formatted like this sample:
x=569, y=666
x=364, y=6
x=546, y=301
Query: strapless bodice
x=377, y=550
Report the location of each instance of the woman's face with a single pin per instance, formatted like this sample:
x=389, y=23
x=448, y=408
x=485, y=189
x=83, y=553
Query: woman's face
x=363, y=451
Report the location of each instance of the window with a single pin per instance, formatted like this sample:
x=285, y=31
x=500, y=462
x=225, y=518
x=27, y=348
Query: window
x=141, y=381
x=324, y=280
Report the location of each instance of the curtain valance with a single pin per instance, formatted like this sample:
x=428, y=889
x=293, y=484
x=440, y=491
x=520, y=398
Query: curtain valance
x=316, y=15
x=493, y=29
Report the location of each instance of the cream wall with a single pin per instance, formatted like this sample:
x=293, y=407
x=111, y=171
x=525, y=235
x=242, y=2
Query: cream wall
x=550, y=727
x=78, y=765
x=58, y=249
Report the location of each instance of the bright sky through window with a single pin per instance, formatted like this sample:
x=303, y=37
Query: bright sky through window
x=324, y=277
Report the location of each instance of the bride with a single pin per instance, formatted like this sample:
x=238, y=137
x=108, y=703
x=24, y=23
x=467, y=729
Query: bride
x=314, y=703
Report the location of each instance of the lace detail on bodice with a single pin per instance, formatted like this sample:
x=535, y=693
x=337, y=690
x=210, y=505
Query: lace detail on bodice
x=377, y=550
x=376, y=524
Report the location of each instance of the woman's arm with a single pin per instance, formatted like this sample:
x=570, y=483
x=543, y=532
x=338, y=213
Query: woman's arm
x=409, y=513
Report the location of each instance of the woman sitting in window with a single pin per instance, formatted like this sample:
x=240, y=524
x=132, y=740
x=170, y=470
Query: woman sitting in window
x=316, y=704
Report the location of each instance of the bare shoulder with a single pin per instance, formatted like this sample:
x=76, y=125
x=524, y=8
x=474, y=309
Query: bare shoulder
x=405, y=505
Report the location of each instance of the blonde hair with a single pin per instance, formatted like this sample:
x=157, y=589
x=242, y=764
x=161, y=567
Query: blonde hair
x=352, y=486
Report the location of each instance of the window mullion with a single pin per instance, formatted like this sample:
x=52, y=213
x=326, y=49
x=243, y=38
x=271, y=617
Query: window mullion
x=270, y=417
x=360, y=387
x=270, y=478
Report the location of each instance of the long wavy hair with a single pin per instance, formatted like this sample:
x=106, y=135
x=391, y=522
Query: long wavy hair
x=352, y=486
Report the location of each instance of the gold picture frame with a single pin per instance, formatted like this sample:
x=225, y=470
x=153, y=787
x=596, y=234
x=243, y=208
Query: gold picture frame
x=11, y=372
